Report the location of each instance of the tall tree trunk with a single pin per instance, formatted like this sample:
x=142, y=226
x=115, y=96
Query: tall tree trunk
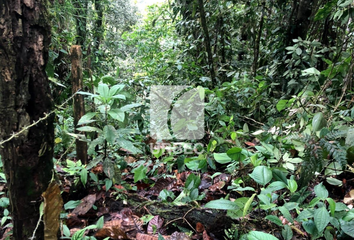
x=79, y=104
x=207, y=42
x=98, y=24
x=81, y=15
x=24, y=98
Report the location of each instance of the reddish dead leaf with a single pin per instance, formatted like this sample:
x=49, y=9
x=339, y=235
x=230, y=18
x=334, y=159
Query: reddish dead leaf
x=199, y=227
x=112, y=232
x=7, y=234
x=251, y=144
x=206, y=236
x=217, y=186
x=155, y=225
x=85, y=205
x=53, y=204
x=98, y=169
x=141, y=236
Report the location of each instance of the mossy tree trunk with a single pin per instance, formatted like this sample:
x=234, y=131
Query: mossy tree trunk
x=24, y=98
x=79, y=104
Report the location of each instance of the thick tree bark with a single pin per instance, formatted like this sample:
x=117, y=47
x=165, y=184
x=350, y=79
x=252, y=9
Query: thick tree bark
x=24, y=98
x=79, y=104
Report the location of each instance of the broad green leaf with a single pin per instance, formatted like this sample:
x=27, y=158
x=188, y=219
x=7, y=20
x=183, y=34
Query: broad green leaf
x=264, y=198
x=119, y=96
x=274, y=186
x=234, y=153
x=292, y=185
x=130, y=106
x=321, y=218
x=100, y=222
x=334, y=168
x=83, y=176
x=348, y=227
x=262, y=175
x=309, y=226
x=340, y=207
x=274, y=219
x=108, y=184
x=117, y=114
x=87, y=118
x=71, y=204
x=327, y=234
x=89, y=129
x=310, y=71
x=282, y=104
x=192, y=181
x=286, y=213
x=66, y=231
x=304, y=215
x=103, y=90
x=222, y=158
x=222, y=204
x=128, y=145
x=291, y=205
x=256, y=235
x=318, y=122
x=139, y=173
x=321, y=191
x=332, y=205
x=344, y=3
x=287, y=232
x=298, y=51
x=114, y=89
x=279, y=176
x=109, y=133
x=334, y=181
x=108, y=168
x=164, y=194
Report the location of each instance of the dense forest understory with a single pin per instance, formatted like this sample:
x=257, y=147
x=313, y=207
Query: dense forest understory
x=187, y=119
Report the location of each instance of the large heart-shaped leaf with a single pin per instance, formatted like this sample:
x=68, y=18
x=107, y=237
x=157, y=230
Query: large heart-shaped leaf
x=262, y=175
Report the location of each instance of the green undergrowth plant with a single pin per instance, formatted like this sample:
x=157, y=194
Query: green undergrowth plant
x=107, y=125
x=104, y=121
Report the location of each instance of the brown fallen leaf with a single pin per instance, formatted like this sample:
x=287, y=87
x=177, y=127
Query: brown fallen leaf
x=85, y=205
x=217, y=186
x=155, y=225
x=349, y=198
x=142, y=236
x=111, y=232
x=53, y=204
